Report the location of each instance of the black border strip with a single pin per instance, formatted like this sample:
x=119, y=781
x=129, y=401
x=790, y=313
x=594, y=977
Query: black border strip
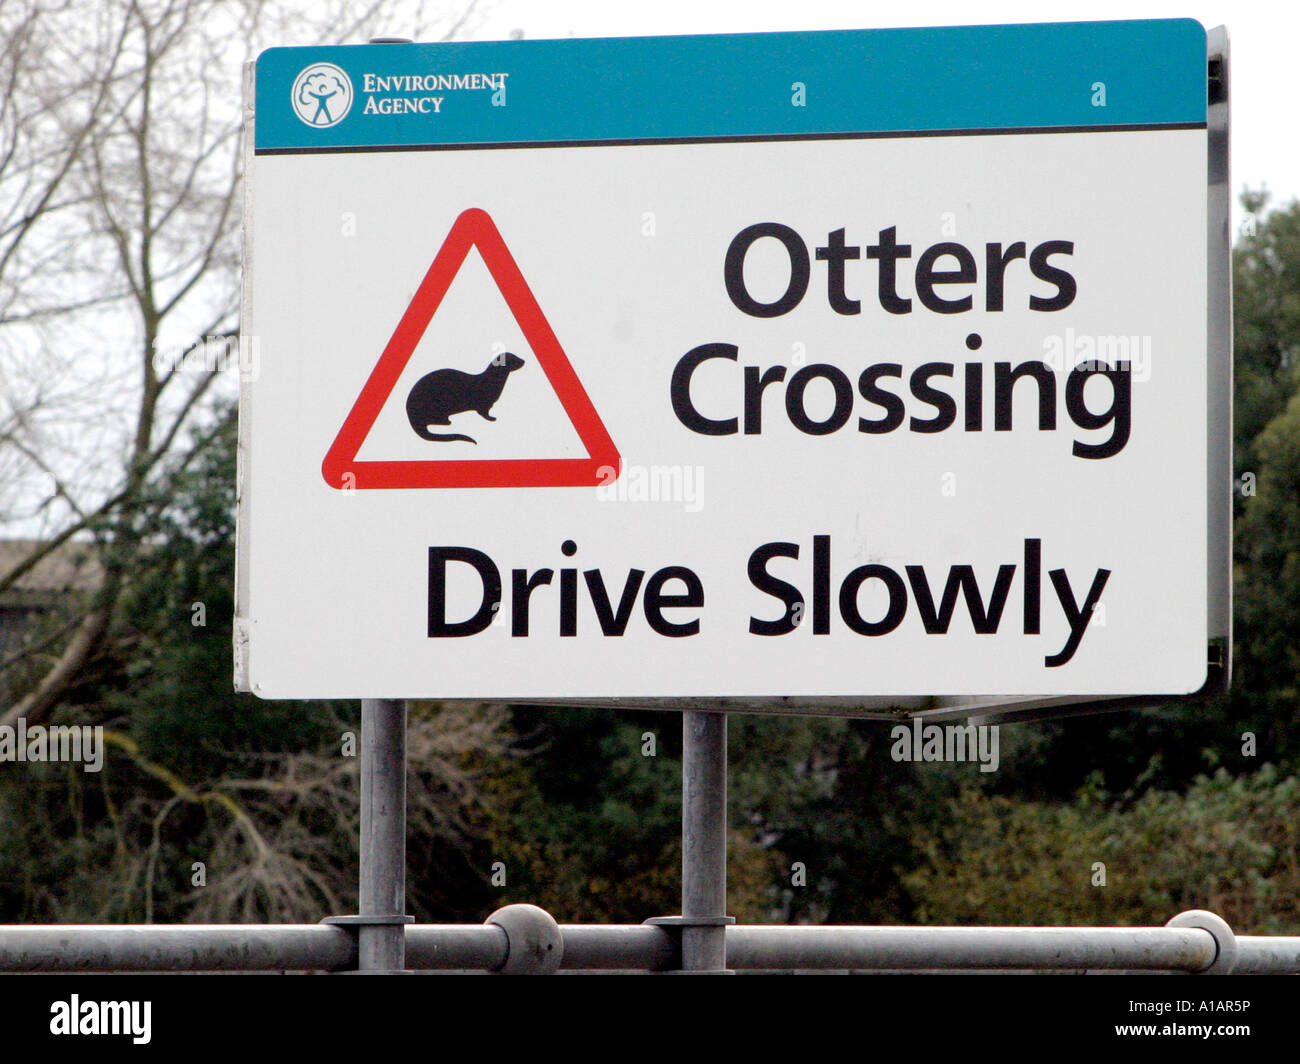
x=741, y=139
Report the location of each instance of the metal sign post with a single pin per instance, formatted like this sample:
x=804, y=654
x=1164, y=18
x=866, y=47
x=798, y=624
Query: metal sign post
x=381, y=934
x=379, y=925
x=704, y=842
x=700, y=932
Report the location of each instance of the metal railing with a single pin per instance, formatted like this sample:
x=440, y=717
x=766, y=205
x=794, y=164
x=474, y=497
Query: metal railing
x=525, y=939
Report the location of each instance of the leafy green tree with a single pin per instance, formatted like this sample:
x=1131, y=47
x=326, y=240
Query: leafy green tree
x=1266, y=320
x=1267, y=303
x=1268, y=590
x=594, y=833
x=1228, y=844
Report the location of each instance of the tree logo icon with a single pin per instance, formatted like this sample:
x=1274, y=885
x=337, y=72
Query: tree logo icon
x=322, y=95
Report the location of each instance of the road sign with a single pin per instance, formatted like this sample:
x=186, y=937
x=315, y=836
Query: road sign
x=453, y=391
x=846, y=371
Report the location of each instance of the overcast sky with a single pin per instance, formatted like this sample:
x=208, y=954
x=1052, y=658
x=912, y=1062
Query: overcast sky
x=1265, y=130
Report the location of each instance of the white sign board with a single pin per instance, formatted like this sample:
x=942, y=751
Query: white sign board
x=782, y=399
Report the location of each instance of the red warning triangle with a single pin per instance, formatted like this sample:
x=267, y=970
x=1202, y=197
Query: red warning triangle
x=473, y=229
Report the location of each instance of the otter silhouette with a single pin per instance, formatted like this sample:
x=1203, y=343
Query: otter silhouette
x=444, y=392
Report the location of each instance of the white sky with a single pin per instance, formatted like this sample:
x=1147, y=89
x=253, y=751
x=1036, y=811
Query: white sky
x=1265, y=130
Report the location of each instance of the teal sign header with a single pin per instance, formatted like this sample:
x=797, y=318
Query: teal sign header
x=753, y=86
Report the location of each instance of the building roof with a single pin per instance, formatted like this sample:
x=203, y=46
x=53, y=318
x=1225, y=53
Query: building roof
x=70, y=568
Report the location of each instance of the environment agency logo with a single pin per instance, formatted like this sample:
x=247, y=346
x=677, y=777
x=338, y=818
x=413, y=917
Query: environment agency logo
x=322, y=95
